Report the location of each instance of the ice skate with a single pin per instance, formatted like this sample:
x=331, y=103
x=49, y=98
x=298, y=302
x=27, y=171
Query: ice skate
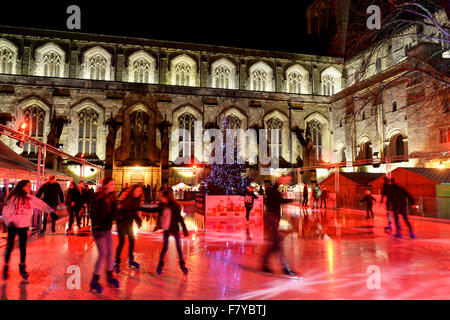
x=398, y=235
x=5, y=275
x=133, y=264
x=287, y=271
x=159, y=268
x=183, y=268
x=23, y=271
x=95, y=285
x=412, y=235
x=117, y=266
x=111, y=280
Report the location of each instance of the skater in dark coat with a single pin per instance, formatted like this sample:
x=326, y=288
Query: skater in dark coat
x=169, y=218
x=249, y=198
x=51, y=194
x=387, y=194
x=400, y=199
x=369, y=200
x=129, y=204
x=73, y=202
x=305, y=195
x=273, y=214
x=104, y=209
x=324, y=197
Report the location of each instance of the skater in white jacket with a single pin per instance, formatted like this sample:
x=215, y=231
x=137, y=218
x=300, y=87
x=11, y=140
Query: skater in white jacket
x=17, y=215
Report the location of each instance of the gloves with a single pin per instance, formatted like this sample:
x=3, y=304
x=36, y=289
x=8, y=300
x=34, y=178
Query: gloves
x=12, y=225
x=54, y=215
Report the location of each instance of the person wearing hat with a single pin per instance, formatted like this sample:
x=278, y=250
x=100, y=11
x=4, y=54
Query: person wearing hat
x=50, y=192
x=249, y=198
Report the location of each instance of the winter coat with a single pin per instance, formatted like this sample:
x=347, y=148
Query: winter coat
x=249, y=199
x=74, y=195
x=104, y=209
x=19, y=212
x=317, y=192
x=128, y=211
x=305, y=191
x=400, y=198
x=274, y=200
x=175, y=218
x=369, y=200
x=51, y=192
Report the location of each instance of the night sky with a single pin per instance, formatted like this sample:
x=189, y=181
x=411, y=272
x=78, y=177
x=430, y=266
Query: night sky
x=274, y=25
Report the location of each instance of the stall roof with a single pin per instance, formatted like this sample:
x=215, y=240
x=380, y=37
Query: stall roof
x=360, y=178
x=435, y=174
x=11, y=162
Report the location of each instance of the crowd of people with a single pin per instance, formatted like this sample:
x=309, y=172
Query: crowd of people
x=103, y=209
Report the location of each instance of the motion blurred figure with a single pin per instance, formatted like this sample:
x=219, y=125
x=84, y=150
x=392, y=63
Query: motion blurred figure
x=104, y=208
x=129, y=204
x=273, y=215
x=305, y=195
x=73, y=202
x=387, y=194
x=169, y=218
x=249, y=198
x=50, y=192
x=400, y=198
x=369, y=200
x=317, y=192
x=17, y=213
x=324, y=197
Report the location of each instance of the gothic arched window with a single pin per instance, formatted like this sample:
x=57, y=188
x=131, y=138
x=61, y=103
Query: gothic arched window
x=222, y=77
x=294, y=83
x=141, y=68
x=139, y=134
x=394, y=106
x=378, y=65
x=6, y=60
x=315, y=128
x=331, y=79
x=34, y=116
x=275, y=147
x=97, y=67
x=366, y=150
x=50, y=61
x=97, y=64
x=233, y=122
x=260, y=77
x=186, y=121
x=52, y=64
x=87, y=132
x=182, y=74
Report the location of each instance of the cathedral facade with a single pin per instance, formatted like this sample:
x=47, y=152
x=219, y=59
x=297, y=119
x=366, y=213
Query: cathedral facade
x=117, y=101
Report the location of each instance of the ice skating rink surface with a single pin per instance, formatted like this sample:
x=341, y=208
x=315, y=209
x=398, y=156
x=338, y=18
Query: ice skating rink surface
x=340, y=255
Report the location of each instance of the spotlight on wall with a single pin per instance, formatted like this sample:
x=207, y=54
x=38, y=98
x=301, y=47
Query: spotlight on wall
x=441, y=165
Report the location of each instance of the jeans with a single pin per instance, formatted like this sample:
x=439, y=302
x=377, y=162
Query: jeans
x=23, y=236
x=166, y=245
x=273, y=221
x=104, y=242
x=369, y=210
x=125, y=229
x=248, y=209
x=305, y=200
x=402, y=211
x=44, y=223
x=74, y=213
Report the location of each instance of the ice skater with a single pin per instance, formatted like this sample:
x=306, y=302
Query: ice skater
x=369, y=200
x=50, y=192
x=73, y=202
x=17, y=213
x=169, y=218
x=273, y=215
x=104, y=208
x=249, y=198
x=387, y=194
x=317, y=192
x=129, y=204
x=400, y=199
x=305, y=195
x=324, y=197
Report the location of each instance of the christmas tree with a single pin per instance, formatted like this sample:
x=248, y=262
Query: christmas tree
x=228, y=179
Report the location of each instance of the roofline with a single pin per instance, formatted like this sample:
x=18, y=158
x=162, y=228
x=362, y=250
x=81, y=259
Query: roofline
x=24, y=31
